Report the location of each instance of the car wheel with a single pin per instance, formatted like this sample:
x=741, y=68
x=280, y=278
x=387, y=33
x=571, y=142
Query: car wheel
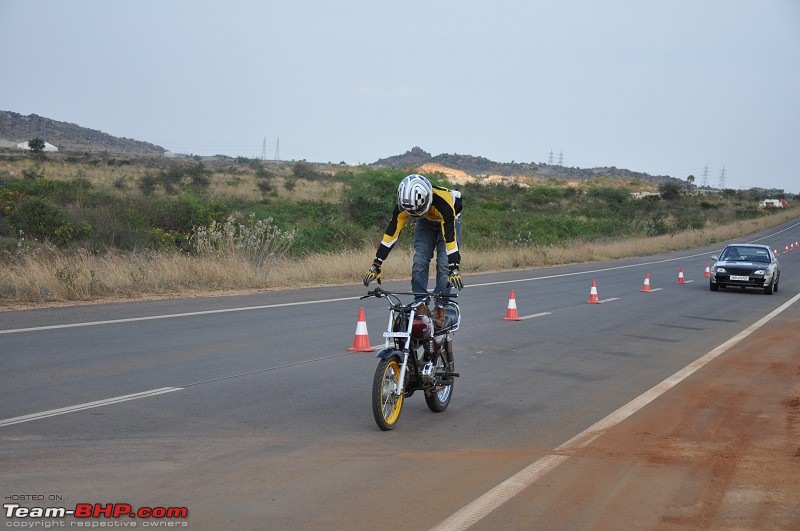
x=768, y=289
x=713, y=286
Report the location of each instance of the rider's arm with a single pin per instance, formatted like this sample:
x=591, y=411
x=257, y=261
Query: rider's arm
x=399, y=218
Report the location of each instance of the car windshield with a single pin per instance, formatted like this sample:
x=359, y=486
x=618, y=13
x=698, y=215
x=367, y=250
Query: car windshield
x=746, y=254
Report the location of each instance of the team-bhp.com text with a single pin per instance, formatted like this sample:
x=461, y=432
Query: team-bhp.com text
x=89, y=515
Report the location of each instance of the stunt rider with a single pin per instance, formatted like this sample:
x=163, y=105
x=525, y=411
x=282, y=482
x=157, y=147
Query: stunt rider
x=437, y=212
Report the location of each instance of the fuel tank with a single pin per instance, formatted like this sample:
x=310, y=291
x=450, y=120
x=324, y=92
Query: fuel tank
x=422, y=327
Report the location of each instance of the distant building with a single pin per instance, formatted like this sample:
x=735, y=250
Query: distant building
x=47, y=146
x=773, y=203
x=642, y=195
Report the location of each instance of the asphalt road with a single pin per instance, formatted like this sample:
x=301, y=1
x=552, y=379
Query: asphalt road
x=250, y=412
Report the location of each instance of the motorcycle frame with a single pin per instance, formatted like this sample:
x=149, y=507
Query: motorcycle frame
x=389, y=350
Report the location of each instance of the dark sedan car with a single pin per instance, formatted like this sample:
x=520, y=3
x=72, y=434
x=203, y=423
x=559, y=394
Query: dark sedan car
x=746, y=265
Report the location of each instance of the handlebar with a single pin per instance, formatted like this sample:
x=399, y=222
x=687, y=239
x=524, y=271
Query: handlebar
x=393, y=296
x=446, y=300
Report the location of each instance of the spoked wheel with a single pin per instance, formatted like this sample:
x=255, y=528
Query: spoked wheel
x=386, y=403
x=439, y=400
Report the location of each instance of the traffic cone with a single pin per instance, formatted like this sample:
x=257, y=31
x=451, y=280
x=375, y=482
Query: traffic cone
x=511, y=312
x=646, y=287
x=708, y=271
x=593, y=299
x=361, y=341
x=680, y=277
x=786, y=250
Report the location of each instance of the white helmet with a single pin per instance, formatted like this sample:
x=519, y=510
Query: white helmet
x=415, y=194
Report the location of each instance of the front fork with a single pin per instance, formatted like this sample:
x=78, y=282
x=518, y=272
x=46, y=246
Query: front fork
x=400, y=390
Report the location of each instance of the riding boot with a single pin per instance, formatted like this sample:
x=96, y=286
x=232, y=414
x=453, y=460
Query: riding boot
x=438, y=316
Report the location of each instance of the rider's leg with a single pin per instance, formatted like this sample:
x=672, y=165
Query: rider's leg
x=443, y=272
x=425, y=233
x=442, y=266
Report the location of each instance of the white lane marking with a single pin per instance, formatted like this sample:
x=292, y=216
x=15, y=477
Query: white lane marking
x=87, y=405
x=497, y=496
x=542, y=314
x=172, y=315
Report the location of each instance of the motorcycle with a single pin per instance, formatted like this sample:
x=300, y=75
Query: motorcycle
x=417, y=355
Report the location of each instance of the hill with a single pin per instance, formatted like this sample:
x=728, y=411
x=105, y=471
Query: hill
x=16, y=128
x=483, y=167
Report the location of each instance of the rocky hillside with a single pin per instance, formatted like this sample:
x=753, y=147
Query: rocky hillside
x=480, y=166
x=16, y=128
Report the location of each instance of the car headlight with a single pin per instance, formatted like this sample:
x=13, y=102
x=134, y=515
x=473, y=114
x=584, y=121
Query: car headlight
x=760, y=272
x=716, y=269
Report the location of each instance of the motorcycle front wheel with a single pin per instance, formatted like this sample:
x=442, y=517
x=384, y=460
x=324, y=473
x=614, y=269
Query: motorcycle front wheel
x=386, y=402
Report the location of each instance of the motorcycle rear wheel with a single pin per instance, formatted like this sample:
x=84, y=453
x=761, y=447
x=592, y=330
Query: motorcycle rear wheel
x=438, y=401
x=386, y=403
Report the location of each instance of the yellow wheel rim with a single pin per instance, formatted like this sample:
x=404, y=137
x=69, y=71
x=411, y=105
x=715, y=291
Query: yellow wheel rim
x=391, y=403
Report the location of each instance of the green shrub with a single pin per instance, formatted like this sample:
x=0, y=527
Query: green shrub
x=40, y=219
x=371, y=196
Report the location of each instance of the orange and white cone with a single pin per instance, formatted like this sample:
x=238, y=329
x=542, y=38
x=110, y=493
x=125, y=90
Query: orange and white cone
x=680, y=277
x=361, y=341
x=646, y=287
x=786, y=250
x=707, y=274
x=593, y=299
x=511, y=312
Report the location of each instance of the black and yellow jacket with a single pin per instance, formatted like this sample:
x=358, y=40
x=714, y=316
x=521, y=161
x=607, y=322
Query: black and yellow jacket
x=445, y=207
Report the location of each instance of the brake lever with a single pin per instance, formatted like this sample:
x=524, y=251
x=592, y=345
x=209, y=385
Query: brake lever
x=377, y=292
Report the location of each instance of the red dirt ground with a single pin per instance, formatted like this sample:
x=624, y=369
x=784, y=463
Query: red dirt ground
x=719, y=451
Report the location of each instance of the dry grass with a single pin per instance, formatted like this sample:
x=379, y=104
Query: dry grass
x=226, y=181
x=49, y=276
x=101, y=176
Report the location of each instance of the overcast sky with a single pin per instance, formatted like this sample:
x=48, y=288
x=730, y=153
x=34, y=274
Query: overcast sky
x=667, y=88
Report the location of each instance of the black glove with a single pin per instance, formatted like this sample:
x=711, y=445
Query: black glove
x=454, y=278
x=374, y=272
